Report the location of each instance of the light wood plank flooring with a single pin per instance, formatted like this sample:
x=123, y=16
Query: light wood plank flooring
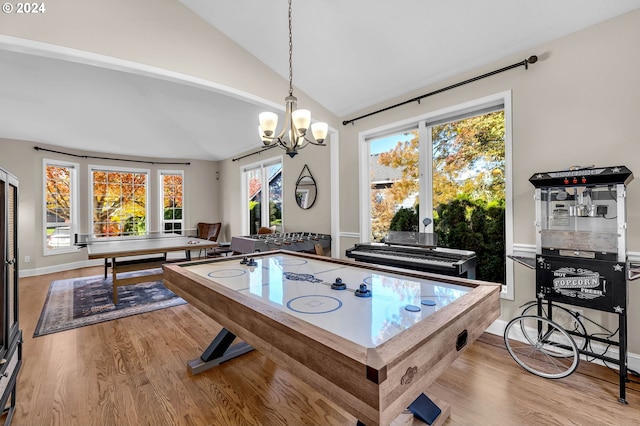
x=133, y=372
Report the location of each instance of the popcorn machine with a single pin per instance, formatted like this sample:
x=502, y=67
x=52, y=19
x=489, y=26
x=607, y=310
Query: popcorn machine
x=581, y=245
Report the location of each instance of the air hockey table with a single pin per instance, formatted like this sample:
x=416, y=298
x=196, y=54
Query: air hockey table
x=369, y=338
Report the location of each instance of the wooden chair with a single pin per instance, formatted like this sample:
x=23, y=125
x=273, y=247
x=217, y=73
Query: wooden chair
x=209, y=231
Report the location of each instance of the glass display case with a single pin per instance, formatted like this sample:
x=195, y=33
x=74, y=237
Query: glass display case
x=583, y=221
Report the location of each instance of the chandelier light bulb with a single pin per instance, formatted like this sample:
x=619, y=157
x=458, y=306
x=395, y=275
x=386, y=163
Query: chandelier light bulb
x=319, y=131
x=268, y=123
x=301, y=120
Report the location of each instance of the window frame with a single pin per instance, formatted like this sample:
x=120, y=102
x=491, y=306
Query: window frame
x=161, y=219
x=74, y=225
x=106, y=168
x=424, y=122
x=264, y=206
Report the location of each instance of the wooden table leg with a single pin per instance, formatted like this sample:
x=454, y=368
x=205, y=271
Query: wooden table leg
x=114, y=279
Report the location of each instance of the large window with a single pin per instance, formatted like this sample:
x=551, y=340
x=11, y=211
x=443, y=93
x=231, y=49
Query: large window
x=61, y=195
x=171, y=187
x=450, y=167
x=262, y=196
x=119, y=201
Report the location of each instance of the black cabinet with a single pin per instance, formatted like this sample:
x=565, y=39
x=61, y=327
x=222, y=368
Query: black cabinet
x=10, y=334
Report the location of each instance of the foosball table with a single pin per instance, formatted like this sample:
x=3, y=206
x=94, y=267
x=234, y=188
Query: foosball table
x=309, y=242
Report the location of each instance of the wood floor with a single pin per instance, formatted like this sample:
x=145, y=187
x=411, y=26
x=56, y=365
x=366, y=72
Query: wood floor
x=132, y=371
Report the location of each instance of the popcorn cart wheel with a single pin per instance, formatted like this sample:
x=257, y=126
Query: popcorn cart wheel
x=539, y=339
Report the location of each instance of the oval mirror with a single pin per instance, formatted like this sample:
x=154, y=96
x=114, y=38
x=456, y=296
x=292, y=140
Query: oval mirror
x=306, y=191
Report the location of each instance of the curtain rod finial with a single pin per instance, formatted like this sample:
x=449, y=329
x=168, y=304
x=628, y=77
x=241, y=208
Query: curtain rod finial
x=530, y=60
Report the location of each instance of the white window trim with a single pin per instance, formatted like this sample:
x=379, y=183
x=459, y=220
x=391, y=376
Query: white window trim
x=244, y=196
x=75, y=217
x=161, y=173
x=456, y=110
x=97, y=167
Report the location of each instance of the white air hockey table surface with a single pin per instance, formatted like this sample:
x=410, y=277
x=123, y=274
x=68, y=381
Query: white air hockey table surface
x=303, y=288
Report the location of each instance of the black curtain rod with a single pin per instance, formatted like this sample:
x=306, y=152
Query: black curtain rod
x=37, y=148
x=531, y=60
x=254, y=153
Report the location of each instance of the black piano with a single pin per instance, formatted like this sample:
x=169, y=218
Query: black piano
x=412, y=251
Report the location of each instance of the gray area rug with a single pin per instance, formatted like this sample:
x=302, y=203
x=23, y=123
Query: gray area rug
x=77, y=302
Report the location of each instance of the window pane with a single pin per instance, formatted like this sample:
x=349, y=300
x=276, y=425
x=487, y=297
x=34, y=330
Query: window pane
x=275, y=196
x=172, y=185
x=264, y=208
x=119, y=203
x=58, y=204
x=58, y=237
x=469, y=189
x=394, y=184
x=254, y=192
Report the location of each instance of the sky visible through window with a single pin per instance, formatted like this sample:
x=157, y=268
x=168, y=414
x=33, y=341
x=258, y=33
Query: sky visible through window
x=387, y=143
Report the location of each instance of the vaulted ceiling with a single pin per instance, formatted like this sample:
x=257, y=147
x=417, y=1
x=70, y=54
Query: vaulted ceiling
x=348, y=55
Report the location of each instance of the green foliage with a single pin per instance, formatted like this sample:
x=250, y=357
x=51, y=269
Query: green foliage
x=172, y=213
x=475, y=225
x=275, y=212
x=275, y=215
x=135, y=225
x=254, y=217
x=404, y=220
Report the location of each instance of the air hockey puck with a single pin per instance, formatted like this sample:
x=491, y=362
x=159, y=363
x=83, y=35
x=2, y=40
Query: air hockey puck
x=412, y=308
x=428, y=302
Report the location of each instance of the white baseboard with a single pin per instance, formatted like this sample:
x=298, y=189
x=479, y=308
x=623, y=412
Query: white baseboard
x=59, y=268
x=355, y=235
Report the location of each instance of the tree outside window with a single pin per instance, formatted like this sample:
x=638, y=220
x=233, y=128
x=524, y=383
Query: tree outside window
x=467, y=186
x=59, y=205
x=172, y=202
x=119, y=203
x=266, y=175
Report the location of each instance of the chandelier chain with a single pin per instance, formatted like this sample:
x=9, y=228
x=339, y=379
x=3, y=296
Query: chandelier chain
x=290, y=53
x=293, y=136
